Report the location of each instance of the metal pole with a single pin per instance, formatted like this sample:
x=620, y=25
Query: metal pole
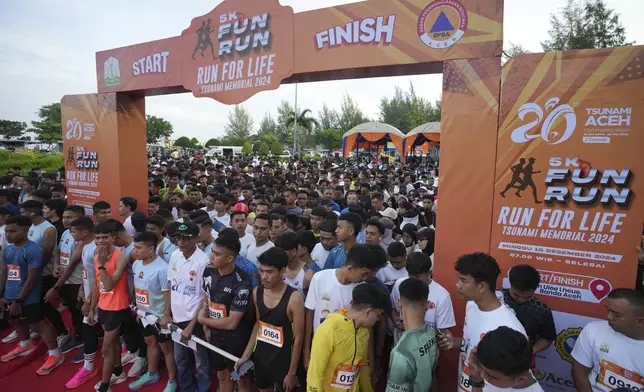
x=295, y=124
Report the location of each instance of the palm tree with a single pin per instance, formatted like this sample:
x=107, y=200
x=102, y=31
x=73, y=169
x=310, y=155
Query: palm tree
x=303, y=121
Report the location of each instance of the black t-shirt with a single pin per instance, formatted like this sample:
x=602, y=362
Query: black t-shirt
x=229, y=293
x=534, y=315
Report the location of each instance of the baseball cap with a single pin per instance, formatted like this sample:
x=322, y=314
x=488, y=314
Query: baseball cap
x=180, y=228
x=241, y=207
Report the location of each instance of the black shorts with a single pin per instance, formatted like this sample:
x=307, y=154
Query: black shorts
x=235, y=348
x=151, y=331
x=31, y=314
x=111, y=320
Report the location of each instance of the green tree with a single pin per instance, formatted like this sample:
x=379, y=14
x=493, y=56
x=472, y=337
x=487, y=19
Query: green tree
x=240, y=124
x=263, y=149
x=305, y=125
x=586, y=25
x=406, y=110
x=183, y=141
x=329, y=138
x=247, y=148
x=48, y=128
x=157, y=128
x=350, y=114
x=195, y=142
x=267, y=125
x=12, y=129
x=233, y=141
x=283, y=132
x=328, y=118
x=276, y=148
x=213, y=142
x=514, y=50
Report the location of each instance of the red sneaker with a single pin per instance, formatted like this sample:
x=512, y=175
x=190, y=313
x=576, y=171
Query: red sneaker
x=52, y=362
x=17, y=352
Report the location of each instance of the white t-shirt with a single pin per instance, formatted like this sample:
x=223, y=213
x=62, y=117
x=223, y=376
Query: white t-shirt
x=186, y=284
x=255, y=251
x=615, y=359
x=3, y=239
x=212, y=214
x=319, y=255
x=327, y=295
x=127, y=223
x=246, y=242
x=536, y=387
x=440, y=314
x=389, y=275
x=224, y=220
x=477, y=324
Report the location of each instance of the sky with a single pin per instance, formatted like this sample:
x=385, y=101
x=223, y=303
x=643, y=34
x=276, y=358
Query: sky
x=47, y=50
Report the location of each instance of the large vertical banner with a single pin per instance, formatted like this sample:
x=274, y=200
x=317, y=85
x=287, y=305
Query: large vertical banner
x=568, y=159
x=468, y=145
x=103, y=140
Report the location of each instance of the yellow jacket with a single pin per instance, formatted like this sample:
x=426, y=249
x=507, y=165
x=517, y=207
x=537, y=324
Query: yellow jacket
x=339, y=357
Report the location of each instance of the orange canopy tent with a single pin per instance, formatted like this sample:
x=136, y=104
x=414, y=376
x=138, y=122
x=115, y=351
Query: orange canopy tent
x=373, y=133
x=429, y=133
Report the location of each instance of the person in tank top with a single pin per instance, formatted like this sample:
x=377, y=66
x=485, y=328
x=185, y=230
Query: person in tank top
x=276, y=343
x=111, y=295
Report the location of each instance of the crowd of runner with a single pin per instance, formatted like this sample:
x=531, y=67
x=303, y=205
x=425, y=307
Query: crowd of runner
x=319, y=273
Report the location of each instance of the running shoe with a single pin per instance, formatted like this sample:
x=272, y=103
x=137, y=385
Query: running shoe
x=79, y=358
x=140, y=366
x=63, y=339
x=19, y=351
x=171, y=386
x=81, y=377
x=145, y=379
x=113, y=380
x=72, y=344
x=128, y=357
x=12, y=337
x=52, y=362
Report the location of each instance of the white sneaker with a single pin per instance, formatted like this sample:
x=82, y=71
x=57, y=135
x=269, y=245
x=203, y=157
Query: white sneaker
x=33, y=335
x=139, y=367
x=63, y=339
x=113, y=380
x=128, y=358
x=12, y=337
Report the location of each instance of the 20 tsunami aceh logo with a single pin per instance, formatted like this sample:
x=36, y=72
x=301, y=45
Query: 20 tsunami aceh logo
x=442, y=23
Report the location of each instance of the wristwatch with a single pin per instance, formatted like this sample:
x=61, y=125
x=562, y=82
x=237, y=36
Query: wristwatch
x=476, y=383
x=19, y=301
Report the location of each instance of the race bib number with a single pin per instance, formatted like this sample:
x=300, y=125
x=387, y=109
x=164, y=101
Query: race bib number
x=464, y=378
x=142, y=297
x=13, y=272
x=344, y=376
x=270, y=334
x=64, y=259
x=612, y=376
x=217, y=310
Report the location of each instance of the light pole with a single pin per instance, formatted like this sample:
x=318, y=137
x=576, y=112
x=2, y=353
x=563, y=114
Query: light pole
x=295, y=124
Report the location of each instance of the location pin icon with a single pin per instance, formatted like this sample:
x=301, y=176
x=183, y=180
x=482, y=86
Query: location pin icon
x=600, y=288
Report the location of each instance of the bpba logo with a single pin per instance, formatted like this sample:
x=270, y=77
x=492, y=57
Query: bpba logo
x=442, y=23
